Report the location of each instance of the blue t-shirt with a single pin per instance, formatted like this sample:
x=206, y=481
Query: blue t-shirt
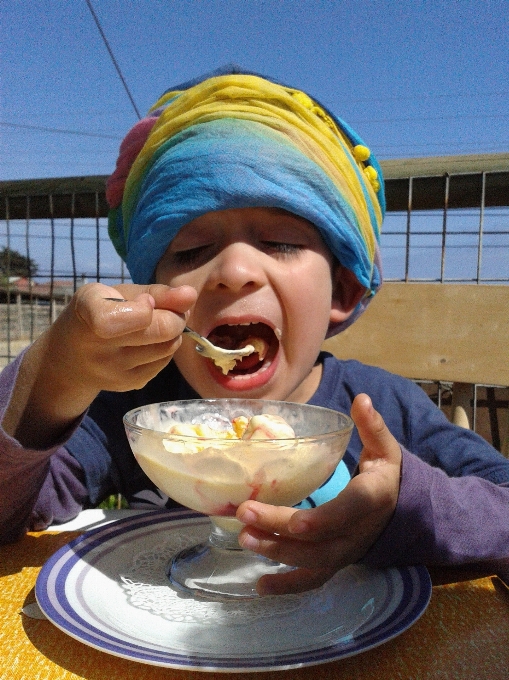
x=101, y=447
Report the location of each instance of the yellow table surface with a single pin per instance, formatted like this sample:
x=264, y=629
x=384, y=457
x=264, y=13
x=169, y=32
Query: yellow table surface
x=464, y=633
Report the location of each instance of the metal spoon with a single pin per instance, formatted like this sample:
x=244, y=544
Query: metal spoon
x=224, y=358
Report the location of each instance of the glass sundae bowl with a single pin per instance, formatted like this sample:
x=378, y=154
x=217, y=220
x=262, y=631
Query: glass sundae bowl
x=191, y=450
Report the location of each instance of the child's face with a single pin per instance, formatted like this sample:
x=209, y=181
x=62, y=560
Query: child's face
x=259, y=273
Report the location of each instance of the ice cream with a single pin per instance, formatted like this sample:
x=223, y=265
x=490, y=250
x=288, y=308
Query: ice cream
x=211, y=455
x=267, y=427
x=264, y=426
x=227, y=362
x=214, y=471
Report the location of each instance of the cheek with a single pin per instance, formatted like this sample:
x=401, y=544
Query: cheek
x=168, y=278
x=167, y=274
x=309, y=291
x=308, y=310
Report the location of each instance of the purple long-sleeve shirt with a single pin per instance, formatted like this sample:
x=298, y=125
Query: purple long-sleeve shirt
x=453, y=505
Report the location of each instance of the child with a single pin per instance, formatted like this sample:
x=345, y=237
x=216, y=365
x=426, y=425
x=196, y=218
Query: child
x=245, y=209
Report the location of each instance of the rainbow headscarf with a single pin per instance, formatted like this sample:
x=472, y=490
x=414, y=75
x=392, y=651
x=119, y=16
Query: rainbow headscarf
x=236, y=140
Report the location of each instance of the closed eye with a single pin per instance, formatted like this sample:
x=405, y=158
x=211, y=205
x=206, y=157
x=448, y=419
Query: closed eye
x=282, y=248
x=190, y=256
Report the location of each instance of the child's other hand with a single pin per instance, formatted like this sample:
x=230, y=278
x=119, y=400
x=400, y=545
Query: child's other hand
x=327, y=538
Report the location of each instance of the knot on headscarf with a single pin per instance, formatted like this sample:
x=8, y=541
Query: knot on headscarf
x=235, y=141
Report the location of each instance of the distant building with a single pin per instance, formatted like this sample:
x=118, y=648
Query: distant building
x=24, y=290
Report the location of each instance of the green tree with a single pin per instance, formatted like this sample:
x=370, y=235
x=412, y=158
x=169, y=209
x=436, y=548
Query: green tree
x=13, y=263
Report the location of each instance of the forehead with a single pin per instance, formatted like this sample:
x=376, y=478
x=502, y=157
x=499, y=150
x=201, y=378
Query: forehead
x=247, y=218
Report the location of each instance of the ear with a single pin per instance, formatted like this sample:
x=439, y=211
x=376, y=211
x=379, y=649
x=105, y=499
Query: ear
x=347, y=292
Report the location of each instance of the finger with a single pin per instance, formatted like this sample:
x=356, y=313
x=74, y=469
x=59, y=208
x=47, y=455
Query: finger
x=293, y=552
x=138, y=376
x=139, y=355
x=266, y=532
x=137, y=322
x=325, y=522
x=165, y=327
x=295, y=581
x=169, y=305
x=380, y=446
x=106, y=318
x=272, y=519
x=178, y=300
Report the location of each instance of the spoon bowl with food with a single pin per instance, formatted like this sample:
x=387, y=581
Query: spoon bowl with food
x=212, y=455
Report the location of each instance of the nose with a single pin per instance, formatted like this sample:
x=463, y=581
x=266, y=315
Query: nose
x=238, y=266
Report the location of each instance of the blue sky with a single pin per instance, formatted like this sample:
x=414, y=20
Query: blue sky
x=414, y=78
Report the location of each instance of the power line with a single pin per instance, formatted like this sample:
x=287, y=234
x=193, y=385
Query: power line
x=42, y=128
x=437, y=95
x=105, y=40
x=429, y=119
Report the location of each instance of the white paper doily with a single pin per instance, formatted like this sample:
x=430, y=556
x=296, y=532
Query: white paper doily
x=147, y=587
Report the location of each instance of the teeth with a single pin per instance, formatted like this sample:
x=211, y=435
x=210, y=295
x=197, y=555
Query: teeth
x=278, y=333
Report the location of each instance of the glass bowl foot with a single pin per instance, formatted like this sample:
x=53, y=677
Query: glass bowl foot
x=206, y=571
x=219, y=568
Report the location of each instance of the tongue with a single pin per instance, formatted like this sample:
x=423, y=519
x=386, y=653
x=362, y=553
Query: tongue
x=254, y=360
x=247, y=363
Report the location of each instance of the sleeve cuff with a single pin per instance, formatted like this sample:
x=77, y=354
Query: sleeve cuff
x=407, y=537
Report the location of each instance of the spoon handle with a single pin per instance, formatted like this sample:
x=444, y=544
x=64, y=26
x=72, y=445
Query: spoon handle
x=202, y=343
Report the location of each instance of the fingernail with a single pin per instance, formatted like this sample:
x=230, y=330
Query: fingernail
x=247, y=541
x=299, y=527
x=264, y=588
x=247, y=517
x=368, y=404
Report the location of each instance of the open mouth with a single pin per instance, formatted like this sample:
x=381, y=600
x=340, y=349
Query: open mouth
x=261, y=336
